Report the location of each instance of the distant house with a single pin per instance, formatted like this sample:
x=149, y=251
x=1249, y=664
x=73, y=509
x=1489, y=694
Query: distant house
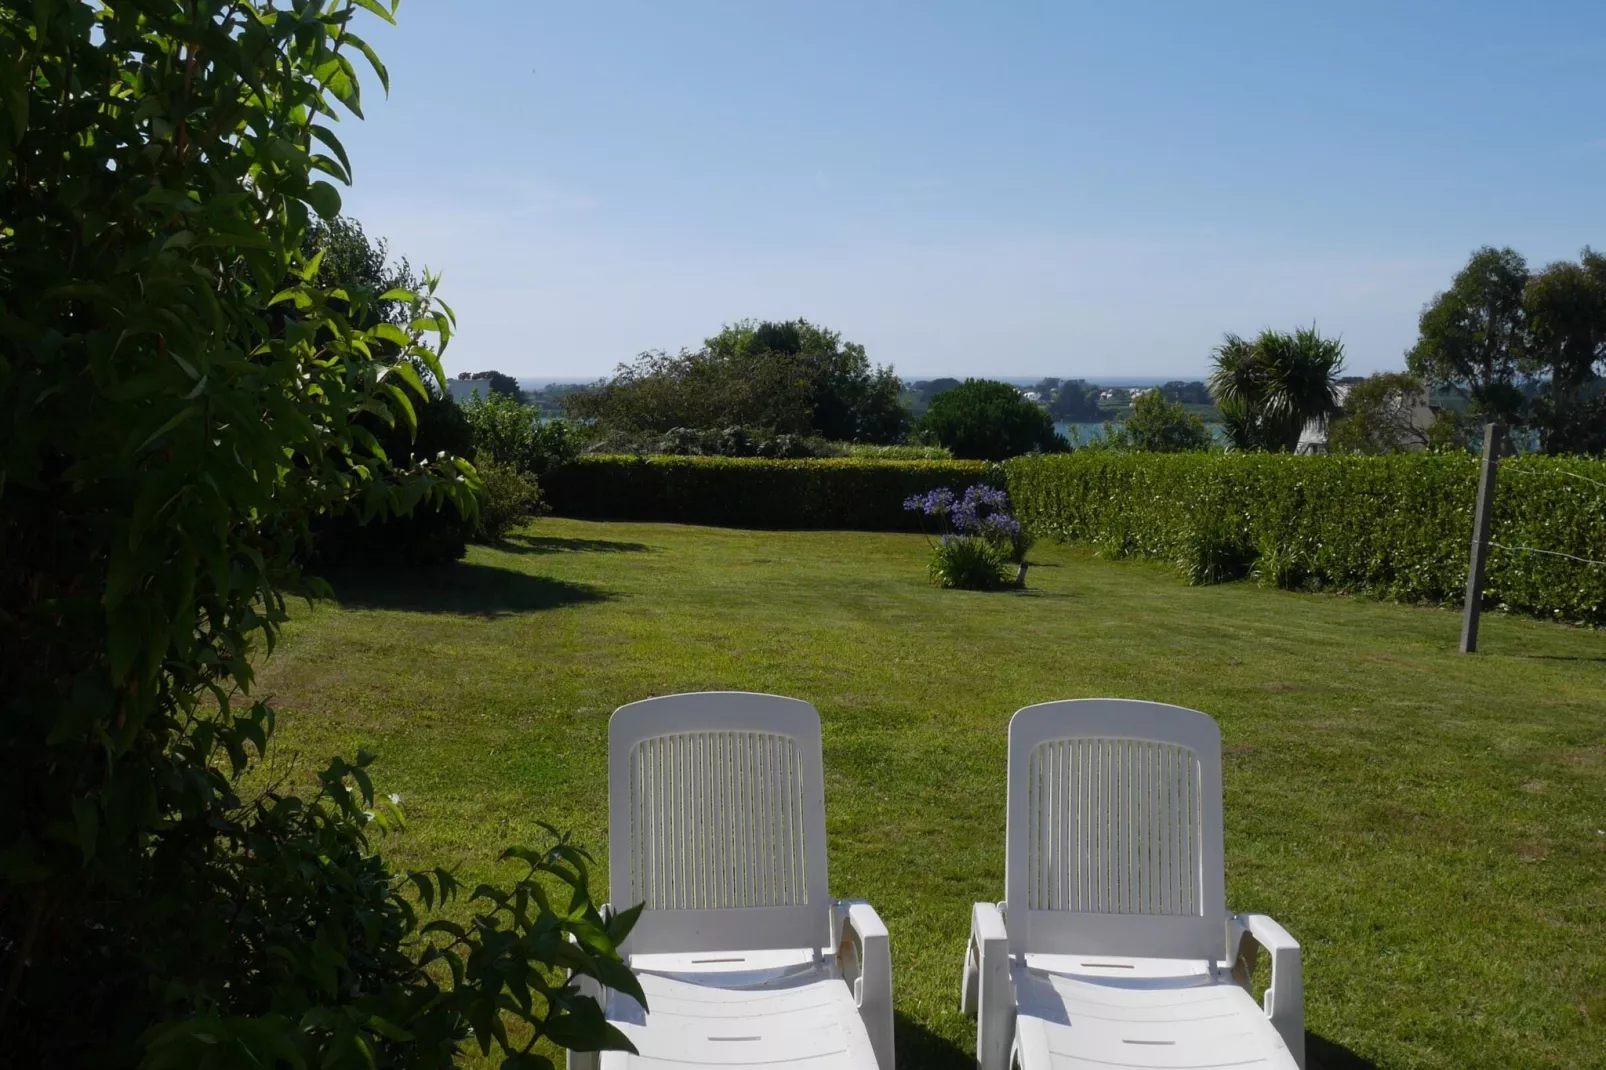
x=1413, y=406
x=1031, y=395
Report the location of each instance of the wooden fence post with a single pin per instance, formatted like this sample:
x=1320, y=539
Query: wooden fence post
x=1493, y=439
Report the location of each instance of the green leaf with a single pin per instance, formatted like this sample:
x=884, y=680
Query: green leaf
x=378, y=9
x=388, y=1029
x=389, y=332
x=324, y=198
x=327, y=137
x=373, y=59
x=582, y=1027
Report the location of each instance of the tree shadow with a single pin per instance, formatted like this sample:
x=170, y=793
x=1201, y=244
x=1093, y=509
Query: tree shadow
x=553, y=544
x=918, y=1046
x=1324, y=1054
x=460, y=587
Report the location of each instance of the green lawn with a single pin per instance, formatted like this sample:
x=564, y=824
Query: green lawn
x=1428, y=825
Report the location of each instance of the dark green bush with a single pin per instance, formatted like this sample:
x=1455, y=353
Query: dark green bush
x=509, y=496
x=988, y=420
x=433, y=533
x=831, y=493
x=1396, y=526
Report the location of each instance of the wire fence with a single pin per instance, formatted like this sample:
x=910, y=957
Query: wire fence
x=1512, y=471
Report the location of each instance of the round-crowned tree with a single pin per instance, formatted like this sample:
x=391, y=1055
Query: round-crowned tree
x=981, y=419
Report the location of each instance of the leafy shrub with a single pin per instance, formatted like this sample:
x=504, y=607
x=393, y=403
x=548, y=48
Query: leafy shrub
x=553, y=444
x=751, y=492
x=432, y=533
x=180, y=398
x=502, y=428
x=1158, y=426
x=509, y=497
x=1394, y=526
x=969, y=563
x=985, y=420
x=510, y=433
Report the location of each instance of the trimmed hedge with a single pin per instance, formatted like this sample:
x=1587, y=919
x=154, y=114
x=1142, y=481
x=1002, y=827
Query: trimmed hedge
x=1398, y=527
x=837, y=492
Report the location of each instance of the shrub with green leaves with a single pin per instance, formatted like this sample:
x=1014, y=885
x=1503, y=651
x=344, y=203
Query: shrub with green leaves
x=503, y=428
x=846, y=493
x=1392, y=526
x=509, y=498
x=970, y=563
x=183, y=399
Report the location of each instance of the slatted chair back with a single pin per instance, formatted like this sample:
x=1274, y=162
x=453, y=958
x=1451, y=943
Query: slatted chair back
x=1114, y=843
x=717, y=822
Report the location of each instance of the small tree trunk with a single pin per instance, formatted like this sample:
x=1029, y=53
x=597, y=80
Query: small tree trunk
x=1020, y=575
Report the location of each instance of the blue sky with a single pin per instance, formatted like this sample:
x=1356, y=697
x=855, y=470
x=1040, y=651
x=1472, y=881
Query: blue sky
x=989, y=189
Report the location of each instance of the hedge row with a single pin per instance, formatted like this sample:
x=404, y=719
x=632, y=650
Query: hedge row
x=839, y=492
x=1397, y=527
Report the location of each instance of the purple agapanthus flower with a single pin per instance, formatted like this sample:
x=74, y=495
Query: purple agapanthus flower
x=970, y=513
x=935, y=503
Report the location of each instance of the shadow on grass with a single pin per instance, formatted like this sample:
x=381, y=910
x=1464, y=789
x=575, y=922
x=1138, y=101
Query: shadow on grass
x=918, y=1046
x=552, y=544
x=460, y=587
x=1324, y=1054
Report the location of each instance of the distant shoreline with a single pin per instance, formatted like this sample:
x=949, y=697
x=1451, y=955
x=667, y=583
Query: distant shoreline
x=1014, y=380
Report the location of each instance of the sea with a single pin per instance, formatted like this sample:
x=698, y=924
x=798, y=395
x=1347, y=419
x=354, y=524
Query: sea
x=1082, y=434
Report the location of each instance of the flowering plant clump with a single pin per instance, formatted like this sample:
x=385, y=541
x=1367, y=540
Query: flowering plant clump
x=980, y=540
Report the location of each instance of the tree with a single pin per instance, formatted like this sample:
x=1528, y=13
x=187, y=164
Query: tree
x=499, y=383
x=1159, y=426
x=351, y=262
x=1383, y=414
x=1076, y=402
x=182, y=399
x=1189, y=393
x=1565, y=305
x=789, y=377
x=986, y=420
x=1269, y=389
x=1473, y=337
x=431, y=533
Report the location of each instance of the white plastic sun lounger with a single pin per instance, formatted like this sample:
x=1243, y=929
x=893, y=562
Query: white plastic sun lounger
x=1113, y=946
x=717, y=824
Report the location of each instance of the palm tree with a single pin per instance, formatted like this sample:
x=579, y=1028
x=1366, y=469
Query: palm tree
x=1269, y=389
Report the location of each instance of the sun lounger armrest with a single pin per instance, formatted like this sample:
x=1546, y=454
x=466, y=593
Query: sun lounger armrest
x=1285, y=996
x=986, y=989
x=870, y=974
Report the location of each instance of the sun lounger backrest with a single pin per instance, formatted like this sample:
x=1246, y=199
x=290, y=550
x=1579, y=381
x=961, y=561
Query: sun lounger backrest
x=1114, y=830
x=717, y=822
